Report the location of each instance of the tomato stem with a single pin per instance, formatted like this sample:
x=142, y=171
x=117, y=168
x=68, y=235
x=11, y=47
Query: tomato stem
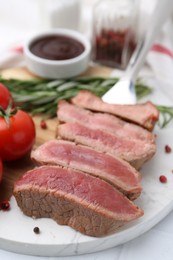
x=6, y=114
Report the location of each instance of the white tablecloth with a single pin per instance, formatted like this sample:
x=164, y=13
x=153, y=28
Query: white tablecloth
x=18, y=20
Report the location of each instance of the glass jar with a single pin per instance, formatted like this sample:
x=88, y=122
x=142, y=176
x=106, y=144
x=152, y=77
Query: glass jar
x=114, y=32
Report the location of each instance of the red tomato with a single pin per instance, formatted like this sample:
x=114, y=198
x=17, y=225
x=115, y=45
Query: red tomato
x=17, y=138
x=5, y=96
x=1, y=170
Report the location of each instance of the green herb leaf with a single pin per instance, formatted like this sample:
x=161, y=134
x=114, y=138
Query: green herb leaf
x=8, y=112
x=166, y=115
x=41, y=96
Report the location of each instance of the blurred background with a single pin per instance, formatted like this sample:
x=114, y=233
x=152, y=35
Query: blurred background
x=21, y=18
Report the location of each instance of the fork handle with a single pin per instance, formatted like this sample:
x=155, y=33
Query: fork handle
x=162, y=11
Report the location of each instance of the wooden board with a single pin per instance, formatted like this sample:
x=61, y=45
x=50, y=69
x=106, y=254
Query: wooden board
x=13, y=170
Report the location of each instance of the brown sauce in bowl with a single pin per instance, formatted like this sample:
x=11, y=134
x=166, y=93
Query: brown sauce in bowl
x=57, y=47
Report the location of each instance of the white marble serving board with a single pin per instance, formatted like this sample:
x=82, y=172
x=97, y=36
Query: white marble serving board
x=16, y=230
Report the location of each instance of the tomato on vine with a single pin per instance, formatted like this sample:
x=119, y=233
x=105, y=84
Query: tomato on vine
x=1, y=170
x=17, y=134
x=5, y=96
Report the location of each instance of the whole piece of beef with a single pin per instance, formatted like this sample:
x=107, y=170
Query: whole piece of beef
x=145, y=114
x=132, y=151
x=70, y=113
x=81, y=201
x=113, y=170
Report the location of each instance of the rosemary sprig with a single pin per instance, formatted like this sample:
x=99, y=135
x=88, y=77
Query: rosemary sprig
x=41, y=96
x=166, y=115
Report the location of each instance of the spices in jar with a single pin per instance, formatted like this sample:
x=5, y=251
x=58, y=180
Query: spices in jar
x=114, y=32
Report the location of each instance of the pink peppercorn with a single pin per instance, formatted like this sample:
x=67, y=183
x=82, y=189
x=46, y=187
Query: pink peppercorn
x=43, y=124
x=5, y=205
x=163, y=178
x=168, y=149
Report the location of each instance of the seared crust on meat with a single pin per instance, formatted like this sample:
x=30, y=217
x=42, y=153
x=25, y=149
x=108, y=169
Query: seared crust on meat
x=146, y=114
x=83, y=202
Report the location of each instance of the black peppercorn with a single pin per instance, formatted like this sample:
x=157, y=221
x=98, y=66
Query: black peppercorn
x=36, y=230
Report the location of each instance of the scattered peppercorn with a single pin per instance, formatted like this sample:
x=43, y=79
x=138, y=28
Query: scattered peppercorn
x=168, y=149
x=36, y=230
x=43, y=124
x=163, y=179
x=5, y=205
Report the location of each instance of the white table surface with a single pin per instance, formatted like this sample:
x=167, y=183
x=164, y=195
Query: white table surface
x=154, y=244
x=157, y=243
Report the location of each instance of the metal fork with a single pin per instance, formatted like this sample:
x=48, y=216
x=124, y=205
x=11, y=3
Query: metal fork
x=123, y=92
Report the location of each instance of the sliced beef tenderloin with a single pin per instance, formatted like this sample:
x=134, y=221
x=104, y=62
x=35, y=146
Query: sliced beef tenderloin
x=70, y=113
x=145, y=114
x=132, y=151
x=81, y=201
x=113, y=170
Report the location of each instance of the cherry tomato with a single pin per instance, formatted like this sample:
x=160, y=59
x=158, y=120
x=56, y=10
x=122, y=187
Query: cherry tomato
x=5, y=96
x=1, y=170
x=17, y=138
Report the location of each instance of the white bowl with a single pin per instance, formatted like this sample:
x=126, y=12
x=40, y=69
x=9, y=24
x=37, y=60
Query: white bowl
x=55, y=69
